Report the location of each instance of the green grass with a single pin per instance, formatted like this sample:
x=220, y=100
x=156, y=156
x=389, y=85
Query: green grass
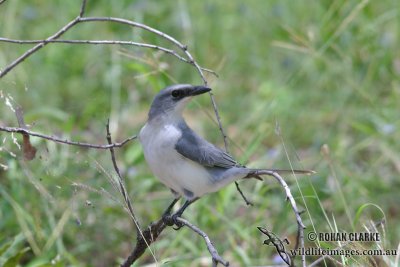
x=326, y=71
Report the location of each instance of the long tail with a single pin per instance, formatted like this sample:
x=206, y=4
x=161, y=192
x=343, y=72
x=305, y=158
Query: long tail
x=255, y=173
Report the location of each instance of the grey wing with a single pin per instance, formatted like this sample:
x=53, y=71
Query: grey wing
x=193, y=147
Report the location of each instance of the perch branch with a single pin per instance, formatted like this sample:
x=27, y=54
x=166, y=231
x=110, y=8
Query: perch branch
x=151, y=233
x=52, y=39
x=248, y=203
x=144, y=240
x=24, y=131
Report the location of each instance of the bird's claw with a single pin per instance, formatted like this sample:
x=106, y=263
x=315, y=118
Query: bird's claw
x=178, y=224
x=171, y=220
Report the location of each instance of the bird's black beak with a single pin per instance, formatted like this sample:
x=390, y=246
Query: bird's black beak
x=198, y=90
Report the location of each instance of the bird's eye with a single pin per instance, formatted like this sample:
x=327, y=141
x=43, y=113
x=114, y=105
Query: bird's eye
x=177, y=93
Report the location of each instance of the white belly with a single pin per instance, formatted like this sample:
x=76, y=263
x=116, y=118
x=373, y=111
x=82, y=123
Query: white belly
x=182, y=175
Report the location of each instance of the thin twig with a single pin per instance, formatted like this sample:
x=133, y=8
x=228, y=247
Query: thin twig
x=300, y=232
x=289, y=197
x=122, y=189
x=96, y=42
x=121, y=183
x=64, y=141
x=248, y=203
x=152, y=232
x=155, y=31
x=210, y=246
x=106, y=42
x=81, y=19
x=38, y=47
x=83, y=7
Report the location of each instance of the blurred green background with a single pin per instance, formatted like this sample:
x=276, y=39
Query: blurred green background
x=326, y=72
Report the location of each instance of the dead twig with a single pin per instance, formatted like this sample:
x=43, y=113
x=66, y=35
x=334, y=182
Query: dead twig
x=289, y=197
x=248, y=203
x=24, y=131
x=152, y=232
x=122, y=188
x=106, y=42
x=40, y=45
x=216, y=258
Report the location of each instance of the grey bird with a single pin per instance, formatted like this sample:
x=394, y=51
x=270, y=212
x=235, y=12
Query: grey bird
x=183, y=161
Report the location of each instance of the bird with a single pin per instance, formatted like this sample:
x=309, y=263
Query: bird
x=182, y=160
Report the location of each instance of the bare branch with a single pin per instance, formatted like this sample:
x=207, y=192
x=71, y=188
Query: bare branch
x=155, y=31
x=143, y=241
x=106, y=42
x=221, y=129
x=121, y=183
x=210, y=246
x=152, y=232
x=83, y=7
x=38, y=47
x=64, y=141
x=248, y=203
x=289, y=197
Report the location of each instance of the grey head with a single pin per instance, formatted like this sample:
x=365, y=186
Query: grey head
x=173, y=99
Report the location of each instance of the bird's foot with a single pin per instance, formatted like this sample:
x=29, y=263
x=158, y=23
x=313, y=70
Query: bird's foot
x=178, y=224
x=171, y=220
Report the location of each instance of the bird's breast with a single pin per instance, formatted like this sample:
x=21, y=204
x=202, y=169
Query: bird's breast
x=183, y=175
x=158, y=142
